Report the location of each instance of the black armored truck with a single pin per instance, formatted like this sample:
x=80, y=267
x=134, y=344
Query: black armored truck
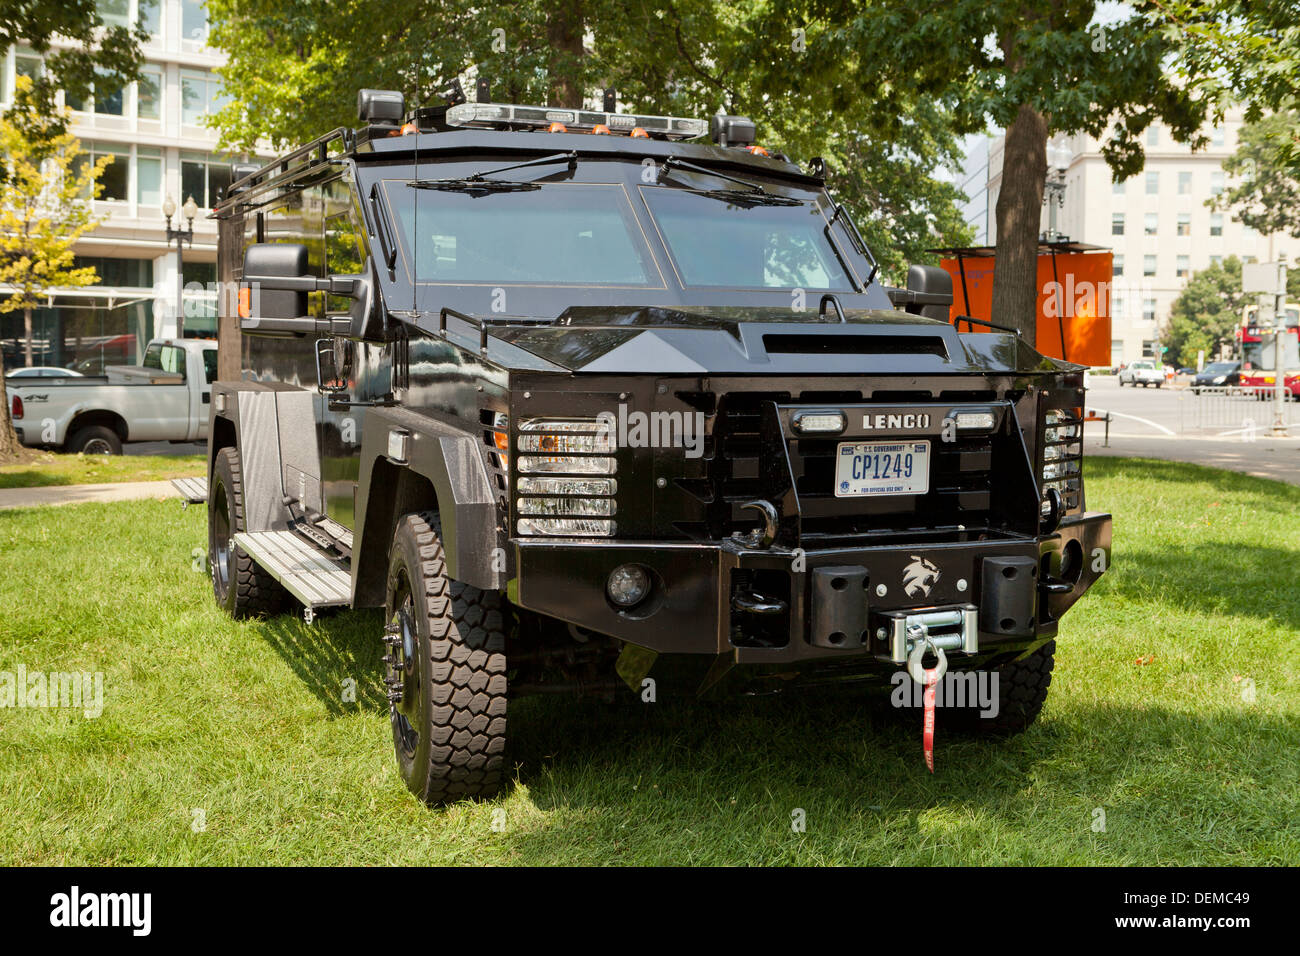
x=585, y=399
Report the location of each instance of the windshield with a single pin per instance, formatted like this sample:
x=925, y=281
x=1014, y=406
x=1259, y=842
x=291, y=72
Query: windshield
x=1221, y=367
x=555, y=234
x=717, y=242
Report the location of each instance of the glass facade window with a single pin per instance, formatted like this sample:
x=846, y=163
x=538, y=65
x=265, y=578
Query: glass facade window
x=1216, y=223
x=200, y=95
x=1151, y=223
x=1149, y=310
x=1216, y=182
x=1148, y=265
x=148, y=95
x=1117, y=189
x=114, y=13
x=203, y=177
x=81, y=332
x=1117, y=265
x=117, y=174
x=109, y=101
x=1184, y=224
x=148, y=176
x=150, y=16
x=1184, y=183
x=1117, y=224
x=119, y=273
x=1153, y=184
x=194, y=21
x=1183, y=266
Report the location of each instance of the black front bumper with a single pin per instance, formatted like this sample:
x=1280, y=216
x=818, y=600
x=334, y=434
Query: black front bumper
x=702, y=597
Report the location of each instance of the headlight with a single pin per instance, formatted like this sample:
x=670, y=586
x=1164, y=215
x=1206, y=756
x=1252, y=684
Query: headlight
x=559, y=493
x=1218, y=380
x=1062, y=455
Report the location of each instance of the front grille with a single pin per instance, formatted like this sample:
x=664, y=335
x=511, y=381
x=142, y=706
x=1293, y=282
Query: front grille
x=747, y=461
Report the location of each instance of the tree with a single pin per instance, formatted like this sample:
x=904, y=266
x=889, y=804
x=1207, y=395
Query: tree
x=90, y=53
x=1034, y=70
x=294, y=70
x=1267, y=166
x=44, y=210
x=1206, y=314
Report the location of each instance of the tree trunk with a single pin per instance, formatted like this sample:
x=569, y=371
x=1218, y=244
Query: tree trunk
x=1019, y=212
x=8, y=438
x=27, y=342
x=564, y=31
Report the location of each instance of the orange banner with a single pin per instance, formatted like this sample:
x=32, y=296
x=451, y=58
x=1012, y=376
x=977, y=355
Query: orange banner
x=1073, y=303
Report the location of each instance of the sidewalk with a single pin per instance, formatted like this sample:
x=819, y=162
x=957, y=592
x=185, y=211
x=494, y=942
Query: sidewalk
x=1276, y=458
x=74, y=494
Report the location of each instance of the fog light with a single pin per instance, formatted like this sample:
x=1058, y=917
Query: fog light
x=628, y=585
x=971, y=421
x=814, y=423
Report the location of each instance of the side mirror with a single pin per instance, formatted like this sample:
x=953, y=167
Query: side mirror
x=273, y=295
x=261, y=304
x=931, y=289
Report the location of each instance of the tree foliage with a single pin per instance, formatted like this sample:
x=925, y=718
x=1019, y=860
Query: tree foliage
x=44, y=209
x=89, y=52
x=1206, y=314
x=1266, y=165
x=295, y=67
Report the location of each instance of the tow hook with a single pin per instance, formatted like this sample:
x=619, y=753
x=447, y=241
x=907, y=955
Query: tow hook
x=920, y=640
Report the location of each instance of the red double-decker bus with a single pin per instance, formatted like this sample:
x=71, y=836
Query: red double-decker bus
x=1255, y=349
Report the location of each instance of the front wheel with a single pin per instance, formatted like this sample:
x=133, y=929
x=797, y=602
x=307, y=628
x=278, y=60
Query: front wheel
x=1021, y=690
x=445, y=670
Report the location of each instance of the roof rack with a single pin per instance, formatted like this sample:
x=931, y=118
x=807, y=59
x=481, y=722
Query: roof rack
x=312, y=154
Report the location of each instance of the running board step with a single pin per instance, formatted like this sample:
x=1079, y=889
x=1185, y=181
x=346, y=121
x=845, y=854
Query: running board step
x=315, y=578
x=193, y=491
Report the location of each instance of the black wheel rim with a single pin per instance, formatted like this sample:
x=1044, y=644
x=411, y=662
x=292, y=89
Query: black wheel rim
x=403, y=670
x=221, y=538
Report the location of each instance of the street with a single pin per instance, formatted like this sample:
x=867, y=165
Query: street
x=1232, y=432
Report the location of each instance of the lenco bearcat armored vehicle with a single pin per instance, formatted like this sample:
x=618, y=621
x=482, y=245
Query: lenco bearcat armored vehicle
x=585, y=401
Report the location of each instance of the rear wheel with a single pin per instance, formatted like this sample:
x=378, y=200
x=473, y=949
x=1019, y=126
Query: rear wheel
x=445, y=670
x=94, y=440
x=239, y=583
x=1021, y=688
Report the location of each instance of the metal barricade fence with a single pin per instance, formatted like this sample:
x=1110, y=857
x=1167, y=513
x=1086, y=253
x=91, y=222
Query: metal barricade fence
x=1233, y=412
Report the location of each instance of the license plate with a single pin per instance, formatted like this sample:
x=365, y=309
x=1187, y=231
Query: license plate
x=864, y=469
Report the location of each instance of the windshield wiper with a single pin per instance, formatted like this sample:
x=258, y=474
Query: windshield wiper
x=741, y=198
x=477, y=183
x=752, y=195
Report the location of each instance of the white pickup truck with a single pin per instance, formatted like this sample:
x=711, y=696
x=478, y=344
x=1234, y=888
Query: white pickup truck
x=164, y=398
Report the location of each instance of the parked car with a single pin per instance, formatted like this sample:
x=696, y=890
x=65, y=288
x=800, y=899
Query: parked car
x=165, y=398
x=1217, y=374
x=43, y=371
x=1143, y=373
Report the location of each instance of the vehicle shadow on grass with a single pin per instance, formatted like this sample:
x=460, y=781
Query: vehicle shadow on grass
x=1211, y=578
x=715, y=770
x=327, y=653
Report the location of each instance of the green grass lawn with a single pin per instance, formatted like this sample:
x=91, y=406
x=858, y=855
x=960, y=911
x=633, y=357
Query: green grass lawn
x=246, y=723
x=51, y=468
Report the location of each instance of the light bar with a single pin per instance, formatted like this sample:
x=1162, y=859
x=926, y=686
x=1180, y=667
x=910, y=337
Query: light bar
x=541, y=117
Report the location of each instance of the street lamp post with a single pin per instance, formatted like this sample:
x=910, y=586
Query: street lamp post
x=182, y=237
x=1058, y=162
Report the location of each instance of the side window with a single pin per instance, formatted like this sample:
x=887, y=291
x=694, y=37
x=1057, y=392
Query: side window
x=173, y=360
x=152, y=356
x=344, y=238
x=299, y=219
x=210, y=365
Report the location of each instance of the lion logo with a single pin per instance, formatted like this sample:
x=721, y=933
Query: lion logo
x=919, y=577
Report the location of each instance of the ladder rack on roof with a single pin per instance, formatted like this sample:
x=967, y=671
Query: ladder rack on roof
x=317, y=151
